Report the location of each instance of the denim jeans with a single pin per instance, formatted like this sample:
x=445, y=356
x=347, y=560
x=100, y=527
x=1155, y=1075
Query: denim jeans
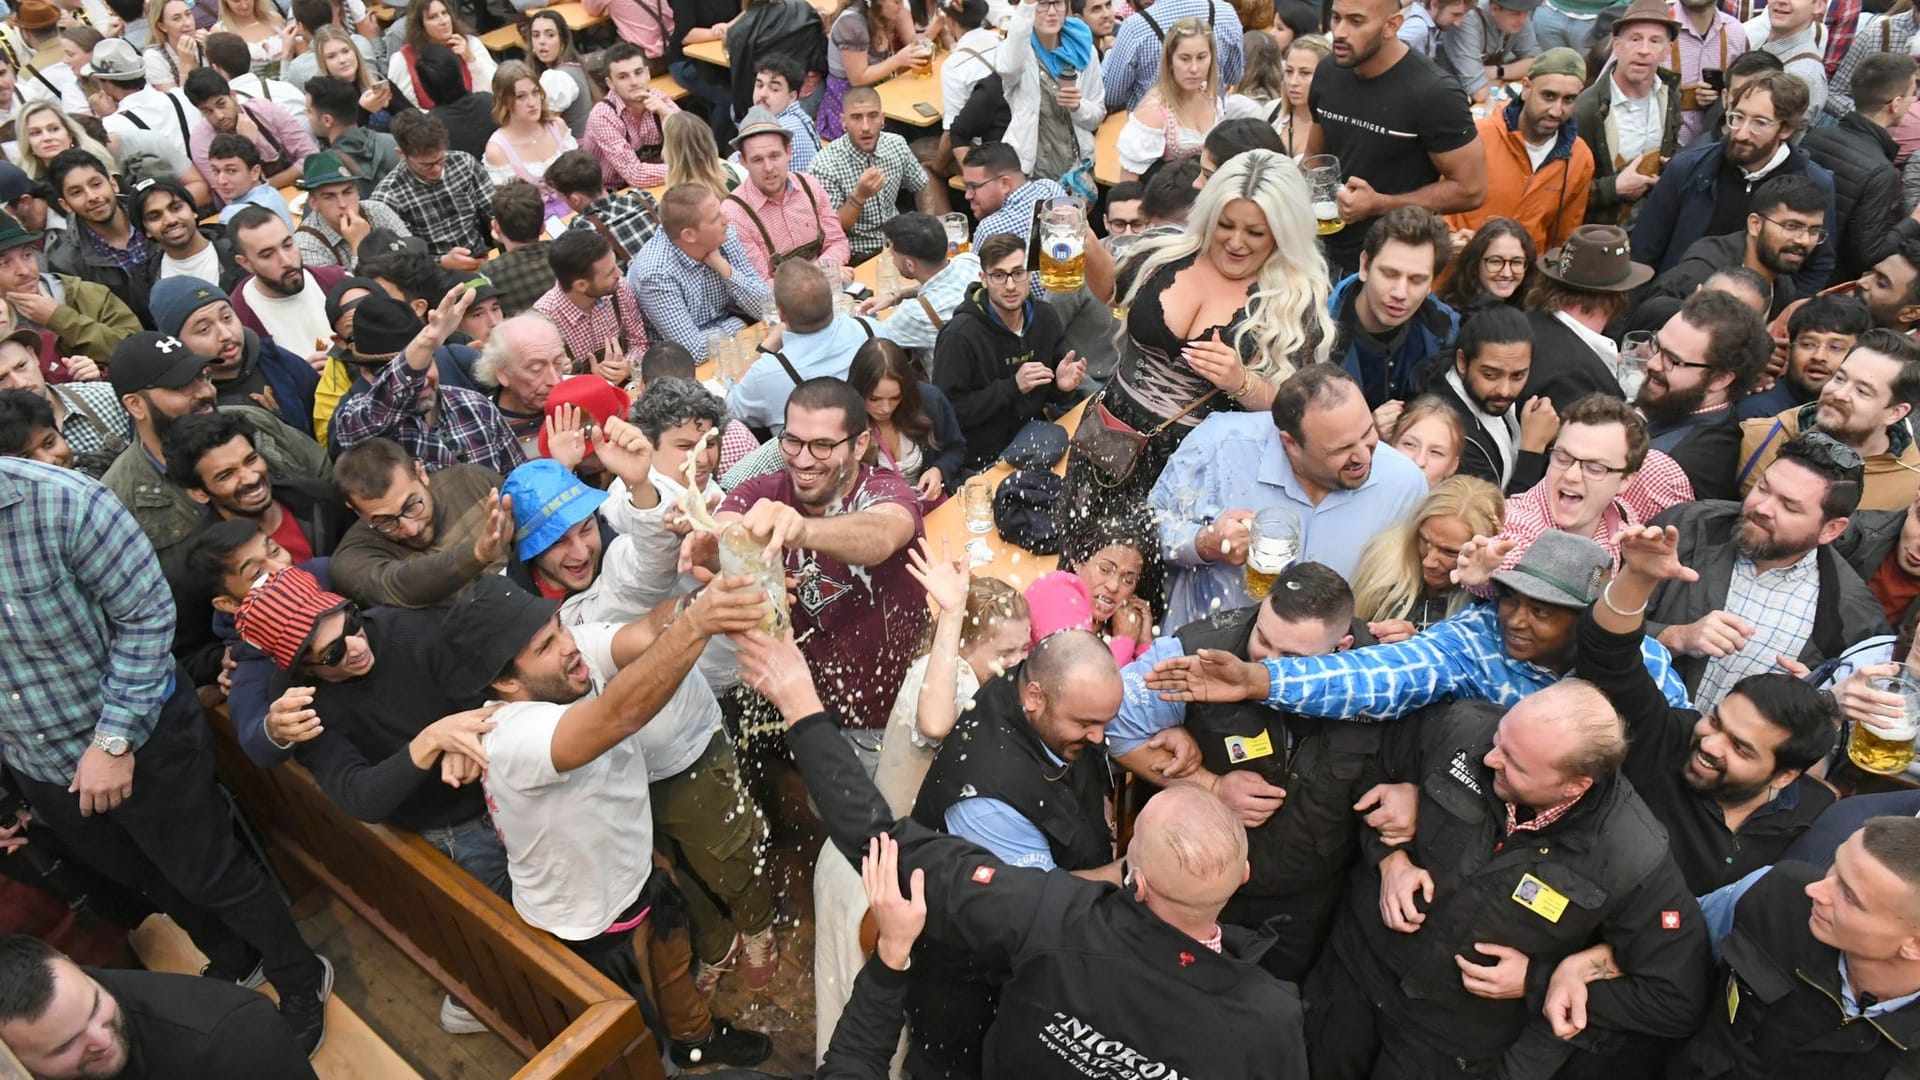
x=474, y=846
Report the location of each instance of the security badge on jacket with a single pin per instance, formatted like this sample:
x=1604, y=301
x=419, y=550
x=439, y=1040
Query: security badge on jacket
x=1540, y=898
x=1247, y=747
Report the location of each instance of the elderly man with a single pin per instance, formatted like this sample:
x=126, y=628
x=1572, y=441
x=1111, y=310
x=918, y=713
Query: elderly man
x=83, y=317
x=1528, y=846
x=695, y=277
x=1630, y=116
x=1317, y=455
x=524, y=359
x=781, y=214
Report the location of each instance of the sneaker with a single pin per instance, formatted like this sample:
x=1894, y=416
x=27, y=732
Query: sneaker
x=724, y=1045
x=760, y=958
x=708, y=978
x=252, y=980
x=306, y=1014
x=456, y=1020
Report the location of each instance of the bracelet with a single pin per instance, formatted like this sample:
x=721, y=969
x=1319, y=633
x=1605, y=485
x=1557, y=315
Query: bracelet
x=1606, y=597
x=1246, y=385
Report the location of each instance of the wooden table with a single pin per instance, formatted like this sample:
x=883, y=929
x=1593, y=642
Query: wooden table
x=898, y=95
x=1106, y=150
x=575, y=15
x=1012, y=564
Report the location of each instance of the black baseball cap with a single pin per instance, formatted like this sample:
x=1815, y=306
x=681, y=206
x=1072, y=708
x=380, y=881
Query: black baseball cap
x=149, y=359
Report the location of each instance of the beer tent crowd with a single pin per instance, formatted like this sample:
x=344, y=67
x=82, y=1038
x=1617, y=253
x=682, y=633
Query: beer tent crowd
x=1198, y=538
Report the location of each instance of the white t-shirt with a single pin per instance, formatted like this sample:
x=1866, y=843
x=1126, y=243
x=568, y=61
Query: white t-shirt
x=205, y=266
x=579, y=844
x=156, y=113
x=1538, y=153
x=296, y=323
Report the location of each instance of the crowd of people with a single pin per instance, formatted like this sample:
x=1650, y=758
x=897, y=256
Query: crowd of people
x=1476, y=440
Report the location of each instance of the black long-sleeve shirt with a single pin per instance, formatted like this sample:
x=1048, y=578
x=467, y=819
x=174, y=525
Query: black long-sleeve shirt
x=183, y=1025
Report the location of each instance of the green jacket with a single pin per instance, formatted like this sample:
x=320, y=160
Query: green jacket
x=91, y=320
x=168, y=515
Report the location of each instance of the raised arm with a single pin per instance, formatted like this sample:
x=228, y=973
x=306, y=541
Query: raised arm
x=865, y=538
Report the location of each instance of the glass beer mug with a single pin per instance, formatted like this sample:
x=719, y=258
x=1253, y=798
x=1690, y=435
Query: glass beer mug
x=1888, y=749
x=740, y=554
x=1273, y=543
x=1063, y=245
x=1323, y=177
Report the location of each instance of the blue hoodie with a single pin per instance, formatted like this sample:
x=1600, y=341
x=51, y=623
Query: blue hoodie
x=1429, y=333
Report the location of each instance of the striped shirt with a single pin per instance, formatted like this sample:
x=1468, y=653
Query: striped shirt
x=88, y=621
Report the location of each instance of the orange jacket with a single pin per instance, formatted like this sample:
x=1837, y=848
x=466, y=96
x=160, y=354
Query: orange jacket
x=1551, y=203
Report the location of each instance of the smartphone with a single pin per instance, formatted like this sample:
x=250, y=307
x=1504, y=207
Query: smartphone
x=925, y=109
x=1715, y=78
x=856, y=290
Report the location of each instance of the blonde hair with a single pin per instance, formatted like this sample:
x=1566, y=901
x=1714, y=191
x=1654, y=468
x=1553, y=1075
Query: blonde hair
x=692, y=157
x=991, y=604
x=229, y=23
x=1387, y=583
x=1290, y=291
x=37, y=169
x=362, y=78
x=506, y=82
x=1423, y=407
x=1313, y=43
x=1172, y=97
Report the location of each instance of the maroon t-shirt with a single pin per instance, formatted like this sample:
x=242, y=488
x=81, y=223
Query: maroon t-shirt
x=857, y=625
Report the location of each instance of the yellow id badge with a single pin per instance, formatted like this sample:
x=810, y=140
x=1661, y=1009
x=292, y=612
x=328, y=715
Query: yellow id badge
x=1733, y=998
x=1540, y=898
x=1241, y=748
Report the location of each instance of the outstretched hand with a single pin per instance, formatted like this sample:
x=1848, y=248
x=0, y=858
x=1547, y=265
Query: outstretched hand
x=1209, y=675
x=899, y=918
x=1654, y=552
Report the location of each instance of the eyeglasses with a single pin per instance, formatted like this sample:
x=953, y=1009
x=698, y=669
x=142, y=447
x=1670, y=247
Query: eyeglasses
x=413, y=509
x=333, y=654
x=1494, y=264
x=1050, y=5
x=1830, y=348
x=1669, y=358
x=1797, y=230
x=1594, y=470
x=1759, y=125
x=1126, y=225
x=819, y=449
x=1830, y=450
x=972, y=186
x=1005, y=277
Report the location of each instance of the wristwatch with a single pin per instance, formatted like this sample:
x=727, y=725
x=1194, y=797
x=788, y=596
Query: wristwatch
x=113, y=745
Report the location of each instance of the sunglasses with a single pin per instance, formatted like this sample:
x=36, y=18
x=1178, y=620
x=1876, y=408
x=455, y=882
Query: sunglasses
x=335, y=653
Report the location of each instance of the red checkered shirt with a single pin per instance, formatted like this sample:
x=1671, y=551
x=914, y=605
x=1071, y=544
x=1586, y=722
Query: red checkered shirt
x=1660, y=483
x=586, y=333
x=614, y=132
x=1540, y=820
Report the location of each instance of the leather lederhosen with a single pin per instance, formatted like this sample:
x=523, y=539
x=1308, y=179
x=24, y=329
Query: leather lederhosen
x=807, y=252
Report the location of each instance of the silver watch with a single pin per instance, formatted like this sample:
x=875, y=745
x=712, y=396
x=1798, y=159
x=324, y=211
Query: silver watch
x=113, y=745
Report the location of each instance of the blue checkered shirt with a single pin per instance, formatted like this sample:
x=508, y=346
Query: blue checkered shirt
x=1461, y=657
x=1131, y=66
x=88, y=621
x=909, y=326
x=1780, y=605
x=1016, y=215
x=806, y=140
x=684, y=299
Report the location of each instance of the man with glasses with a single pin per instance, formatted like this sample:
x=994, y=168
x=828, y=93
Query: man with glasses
x=1786, y=222
x=421, y=538
x=1708, y=190
x=443, y=195
x=842, y=530
x=1820, y=334
x=1766, y=585
x=1704, y=361
x=404, y=398
x=1864, y=405
x=159, y=380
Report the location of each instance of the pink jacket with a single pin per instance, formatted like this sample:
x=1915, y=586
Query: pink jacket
x=1060, y=601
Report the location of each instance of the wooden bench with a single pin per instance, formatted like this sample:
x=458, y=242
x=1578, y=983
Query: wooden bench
x=567, y=1019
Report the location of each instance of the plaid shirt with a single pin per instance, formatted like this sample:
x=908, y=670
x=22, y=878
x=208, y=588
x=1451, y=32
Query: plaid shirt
x=84, y=432
x=1130, y=67
x=447, y=212
x=684, y=300
x=1661, y=483
x=1779, y=605
x=909, y=327
x=89, y=621
x=586, y=333
x=469, y=428
x=131, y=259
x=1843, y=17
x=802, y=215
x=1016, y=216
x=1463, y=657
x=632, y=217
x=839, y=166
x=614, y=133
x=1539, y=820
x=806, y=139
x=523, y=275
x=321, y=246
x=1878, y=33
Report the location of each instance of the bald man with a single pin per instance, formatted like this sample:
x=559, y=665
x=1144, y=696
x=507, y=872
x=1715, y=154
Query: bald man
x=524, y=359
x=1140, y=980
x=1528, y=847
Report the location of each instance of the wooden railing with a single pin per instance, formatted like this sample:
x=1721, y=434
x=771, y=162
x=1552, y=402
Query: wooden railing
x=567, y=1019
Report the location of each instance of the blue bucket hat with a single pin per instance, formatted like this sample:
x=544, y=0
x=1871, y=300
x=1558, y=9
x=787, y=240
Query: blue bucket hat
x=547, y=501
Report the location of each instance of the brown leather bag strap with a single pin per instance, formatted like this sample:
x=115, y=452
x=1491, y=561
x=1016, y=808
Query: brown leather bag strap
x=1183, y=413
x=757, y=224
x=620, y=253
x=933, y=316
x=819, y=226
